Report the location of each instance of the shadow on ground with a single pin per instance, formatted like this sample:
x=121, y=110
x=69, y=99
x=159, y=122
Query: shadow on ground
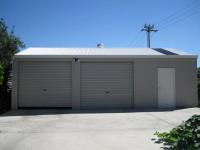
x=55, y=111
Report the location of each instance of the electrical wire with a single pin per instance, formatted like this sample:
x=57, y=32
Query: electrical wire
x=186, y=15
x=179, y=13
x=176, y=17
x=180, y=19
x=177, y=21
x=141, y=40
x=135, y=39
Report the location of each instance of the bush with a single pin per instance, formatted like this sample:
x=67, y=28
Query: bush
x=184, y=137
x=9, y=45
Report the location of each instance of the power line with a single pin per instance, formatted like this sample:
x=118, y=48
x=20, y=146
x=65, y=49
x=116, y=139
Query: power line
x=135, y=39
x=142, y=42
x=140, y=39
x=179, y=12
x=180, y=19
x=177, y=16
x=177, y=21
x=186, y=15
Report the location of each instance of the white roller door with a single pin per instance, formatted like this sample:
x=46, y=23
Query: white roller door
x=45, y=84
x=106, y=85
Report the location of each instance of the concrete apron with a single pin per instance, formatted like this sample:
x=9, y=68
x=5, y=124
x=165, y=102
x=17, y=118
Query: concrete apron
x=50, y=129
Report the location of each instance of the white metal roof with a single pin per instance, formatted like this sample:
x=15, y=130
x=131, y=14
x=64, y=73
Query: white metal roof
x=102, y=53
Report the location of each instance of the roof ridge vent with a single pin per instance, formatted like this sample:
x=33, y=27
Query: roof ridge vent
x=100, y=45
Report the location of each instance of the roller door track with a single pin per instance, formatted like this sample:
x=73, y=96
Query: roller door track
x=106, y=85
x=45, y=84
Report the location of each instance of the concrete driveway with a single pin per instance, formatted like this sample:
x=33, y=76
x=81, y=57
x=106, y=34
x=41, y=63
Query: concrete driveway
x=67, y=130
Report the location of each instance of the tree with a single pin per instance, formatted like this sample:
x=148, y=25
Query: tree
x=9, y=45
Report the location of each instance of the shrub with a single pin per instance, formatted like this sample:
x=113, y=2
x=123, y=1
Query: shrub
x=184, y=137
x=9, y=45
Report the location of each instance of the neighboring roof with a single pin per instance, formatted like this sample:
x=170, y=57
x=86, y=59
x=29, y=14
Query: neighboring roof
x=102, y=53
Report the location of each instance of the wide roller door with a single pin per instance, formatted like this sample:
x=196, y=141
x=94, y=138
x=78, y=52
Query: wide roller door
x=106, y=85
x=44, y=84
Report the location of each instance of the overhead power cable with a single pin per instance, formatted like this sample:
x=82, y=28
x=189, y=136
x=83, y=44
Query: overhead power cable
x=176, y=17
x=135, y=38
x=180, y=19
x=141, y=40
x=179, y=13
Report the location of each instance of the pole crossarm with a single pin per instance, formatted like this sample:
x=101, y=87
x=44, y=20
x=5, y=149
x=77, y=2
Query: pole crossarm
x=149, y=28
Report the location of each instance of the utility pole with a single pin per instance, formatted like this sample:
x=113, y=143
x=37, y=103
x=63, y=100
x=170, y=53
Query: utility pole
x=149, y=28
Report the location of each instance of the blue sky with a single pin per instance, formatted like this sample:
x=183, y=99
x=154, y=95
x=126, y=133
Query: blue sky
x=116, y=23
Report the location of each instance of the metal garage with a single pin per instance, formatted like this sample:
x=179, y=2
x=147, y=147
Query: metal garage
x=45, y=84
x=106, y=85
x=104, y=78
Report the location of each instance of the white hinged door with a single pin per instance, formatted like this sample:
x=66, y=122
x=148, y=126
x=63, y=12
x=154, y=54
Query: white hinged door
x=166, y=87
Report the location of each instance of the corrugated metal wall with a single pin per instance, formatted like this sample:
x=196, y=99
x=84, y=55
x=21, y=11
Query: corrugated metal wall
x=45, y=84
x=106, y=85
x=96, y=76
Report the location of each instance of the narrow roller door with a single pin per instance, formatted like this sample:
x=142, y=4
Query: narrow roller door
x=44, y=84
x=106, y=85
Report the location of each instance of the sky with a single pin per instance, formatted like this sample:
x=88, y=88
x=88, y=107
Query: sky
x=115, y=23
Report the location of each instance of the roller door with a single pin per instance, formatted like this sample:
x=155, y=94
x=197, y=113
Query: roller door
x=106, y=85
x=45, y=84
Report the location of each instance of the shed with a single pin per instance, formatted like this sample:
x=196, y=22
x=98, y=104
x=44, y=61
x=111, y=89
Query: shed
x=104, y=78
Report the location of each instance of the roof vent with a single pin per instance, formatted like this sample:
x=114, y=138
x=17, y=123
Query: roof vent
x=100, y=45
